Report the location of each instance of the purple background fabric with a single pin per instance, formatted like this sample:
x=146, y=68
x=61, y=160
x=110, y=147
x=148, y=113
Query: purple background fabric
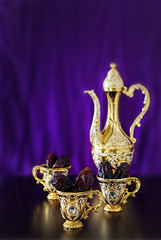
x=53, y=50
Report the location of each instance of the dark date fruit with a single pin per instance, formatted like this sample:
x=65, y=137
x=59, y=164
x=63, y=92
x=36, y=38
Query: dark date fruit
x=122, y=171
x=51, y=159
x=61, y=182
x=105, y=170
x=62, y=162
x=84, y=180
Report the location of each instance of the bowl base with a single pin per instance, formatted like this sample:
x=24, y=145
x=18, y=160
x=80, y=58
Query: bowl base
x=73, y=224
x=112, y=208
x=53, y=196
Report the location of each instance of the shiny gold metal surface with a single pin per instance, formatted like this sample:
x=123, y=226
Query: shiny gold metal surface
x=75, y=206
x=47, y=176
x=112, y=143
x=52, y=196
x=72, y=224
x=114, y=192
x=113, y=208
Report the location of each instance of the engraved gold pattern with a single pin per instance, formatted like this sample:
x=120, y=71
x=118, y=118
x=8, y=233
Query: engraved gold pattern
x=115, y=158
x=112, y=143
x=79, y=204
x=113, y=79
x=118, y=138
x=47, y=176
x=114, y=191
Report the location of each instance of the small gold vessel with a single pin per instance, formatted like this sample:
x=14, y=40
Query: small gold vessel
x=75, y=206
x=112, y=143
x=114, y=192
x=47, y=177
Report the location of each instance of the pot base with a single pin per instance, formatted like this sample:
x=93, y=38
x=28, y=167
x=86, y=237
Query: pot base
x=112, y=208
x=73, y=224
x=53, y=196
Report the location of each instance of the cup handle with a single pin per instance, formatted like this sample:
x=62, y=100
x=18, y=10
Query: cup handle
x=137, y=187
x=95, y=207
x=38, y=180
x=130, y=93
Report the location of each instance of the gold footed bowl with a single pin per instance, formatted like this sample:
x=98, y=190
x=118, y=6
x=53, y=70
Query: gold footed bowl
x=114, y=192
x=47, y=177
x=75, y=206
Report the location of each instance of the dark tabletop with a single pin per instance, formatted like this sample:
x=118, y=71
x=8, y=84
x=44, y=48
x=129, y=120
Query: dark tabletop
x=25, y=213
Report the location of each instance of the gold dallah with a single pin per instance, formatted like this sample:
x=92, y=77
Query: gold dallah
x=112, y=143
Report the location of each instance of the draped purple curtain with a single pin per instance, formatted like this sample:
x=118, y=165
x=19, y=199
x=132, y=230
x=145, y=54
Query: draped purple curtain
x=53, y=50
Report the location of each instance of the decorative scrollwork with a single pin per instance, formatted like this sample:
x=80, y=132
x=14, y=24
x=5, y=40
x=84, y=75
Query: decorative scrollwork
x=75, y=206
x=115, y=158
x=116, y=188
x=47, y=176
x=71, y=206
x=137, y=187
x=95, y=207
x=130, y=93
x=114, y=191
x=38, y=180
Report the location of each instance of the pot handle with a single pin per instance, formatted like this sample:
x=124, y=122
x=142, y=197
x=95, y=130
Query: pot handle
x=130, y=93
x=137, y=187
x=95, y=207
x=38, y=180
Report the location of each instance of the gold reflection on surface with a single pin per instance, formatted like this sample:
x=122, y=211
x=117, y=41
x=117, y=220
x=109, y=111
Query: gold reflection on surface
x=119, y=225
x=47, y=217
x=72, y=233
x=48, y=223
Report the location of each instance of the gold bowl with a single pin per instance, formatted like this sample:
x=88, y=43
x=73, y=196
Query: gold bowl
x=47, y=177
x=114, y=192
x=75, y=206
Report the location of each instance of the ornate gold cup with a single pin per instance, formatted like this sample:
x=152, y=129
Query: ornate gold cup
x=75, y=206
x=114, y=192
x=47, y=176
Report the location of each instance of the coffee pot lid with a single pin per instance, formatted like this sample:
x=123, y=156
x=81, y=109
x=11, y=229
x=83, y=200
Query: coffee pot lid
x=113, y=81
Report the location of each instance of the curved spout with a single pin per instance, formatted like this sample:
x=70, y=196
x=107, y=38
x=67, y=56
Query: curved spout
x=95, y=134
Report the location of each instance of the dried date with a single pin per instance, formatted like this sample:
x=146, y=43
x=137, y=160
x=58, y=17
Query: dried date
x=105, y=170
x=84, y=180
x=51, y=159
x=122, y=171
x=62, y=183
x=62, y=162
